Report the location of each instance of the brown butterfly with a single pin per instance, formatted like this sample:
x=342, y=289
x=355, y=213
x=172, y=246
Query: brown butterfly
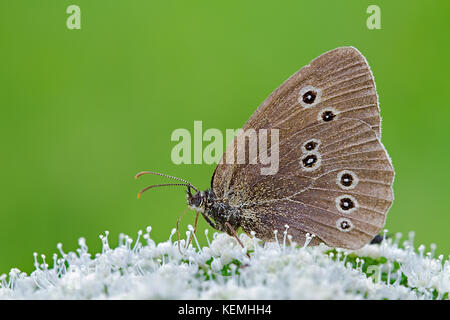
x=334, y=178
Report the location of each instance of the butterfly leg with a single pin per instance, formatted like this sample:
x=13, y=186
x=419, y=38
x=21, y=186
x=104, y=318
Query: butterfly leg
x=178, y=229
x=235, y=235
x=212, y=224
x=195, y=228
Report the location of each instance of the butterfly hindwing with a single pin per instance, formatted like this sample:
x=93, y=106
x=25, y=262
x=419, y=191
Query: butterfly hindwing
x=351, y=184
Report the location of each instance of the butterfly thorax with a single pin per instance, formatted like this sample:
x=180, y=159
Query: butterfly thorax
x=216, y=209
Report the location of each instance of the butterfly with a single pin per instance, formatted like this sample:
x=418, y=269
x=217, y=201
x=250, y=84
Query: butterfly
x=334, y=178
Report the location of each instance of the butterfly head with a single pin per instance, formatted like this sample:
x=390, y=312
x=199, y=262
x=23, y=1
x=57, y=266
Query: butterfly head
x=196, y=201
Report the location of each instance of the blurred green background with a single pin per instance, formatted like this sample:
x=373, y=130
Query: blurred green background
x=82, y=111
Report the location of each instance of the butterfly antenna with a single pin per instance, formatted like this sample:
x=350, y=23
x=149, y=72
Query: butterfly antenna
x=161, y=185
x=187, y=183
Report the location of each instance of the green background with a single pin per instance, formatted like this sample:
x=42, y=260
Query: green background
x=82, y=111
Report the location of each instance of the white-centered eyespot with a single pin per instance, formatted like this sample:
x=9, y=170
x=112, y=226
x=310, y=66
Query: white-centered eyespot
x=311, y=145
x=309, y=96
x=327, y=114
x=310, y=161
x=347, y=179
x=344, y=225
x=346, y=204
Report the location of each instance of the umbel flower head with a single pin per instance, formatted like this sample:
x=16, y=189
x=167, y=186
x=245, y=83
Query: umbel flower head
x=281, y=269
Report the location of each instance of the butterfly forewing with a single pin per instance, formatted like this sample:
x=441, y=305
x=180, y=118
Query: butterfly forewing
x=335, y=177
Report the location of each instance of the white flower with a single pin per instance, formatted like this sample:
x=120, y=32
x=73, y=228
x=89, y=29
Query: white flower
x=142, y=269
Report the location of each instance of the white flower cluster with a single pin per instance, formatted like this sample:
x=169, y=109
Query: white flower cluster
x=222, y=270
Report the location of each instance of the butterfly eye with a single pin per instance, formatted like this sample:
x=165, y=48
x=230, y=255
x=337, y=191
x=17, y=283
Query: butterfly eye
x=347, y=179
x=346, y=204
x=197, y=200
x=344, y=225
x=309, y=96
